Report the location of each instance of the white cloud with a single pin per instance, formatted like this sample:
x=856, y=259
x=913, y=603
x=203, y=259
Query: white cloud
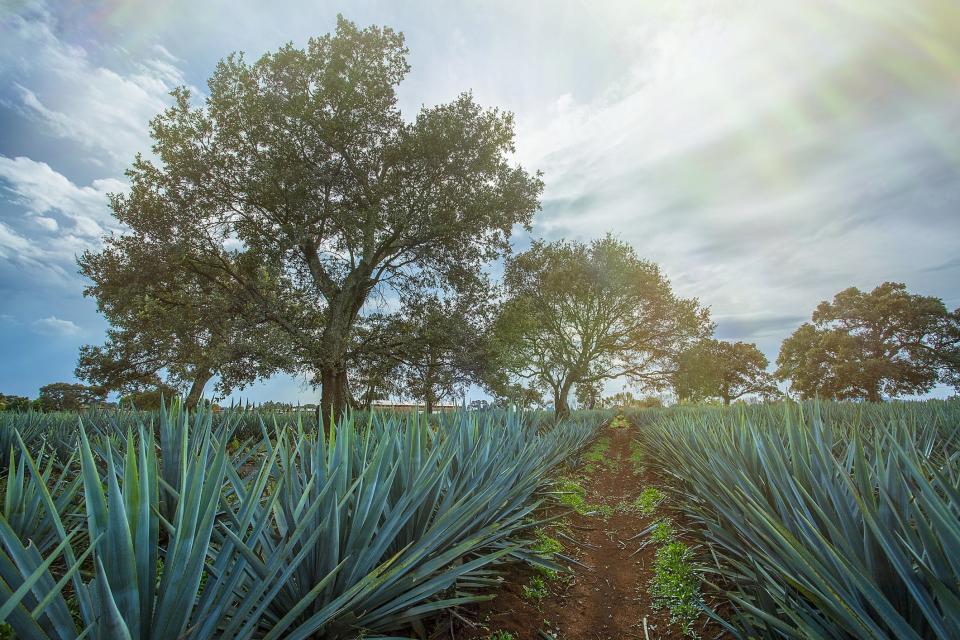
x=73, y=218
x=49, y=224
x=55, y=326
x=76, y=97
x=765, y=157
x=41, y=190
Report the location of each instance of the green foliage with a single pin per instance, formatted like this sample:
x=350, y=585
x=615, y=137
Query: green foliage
x=827, y=520
x=596, y=455
x=536, y=589
x=546, y=545
x=580, y=314
x=636, y=457
x=66, y=396
x=886, y=342
x=149, y=399
x=675, y=585
x=571, y=493
x=648, y=501
x=501, y=635
x=663, y=531
x=14, y=403
x=722, y=370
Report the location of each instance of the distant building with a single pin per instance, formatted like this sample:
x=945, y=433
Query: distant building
x=384, y=405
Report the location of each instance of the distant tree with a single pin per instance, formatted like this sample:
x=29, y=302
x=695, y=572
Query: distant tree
x=444, y=349
x=374, y=367
x=724, y=370
x=328, y=197
x=649, y=402
x=149, y=398
x=582, y=314
x=866, y=345
x=626, y=399
x=479, y=405
x=166, y=322
x=275, y=407
x=14, y=403
x=588, y=394
x=66, y=396
x=431, y=348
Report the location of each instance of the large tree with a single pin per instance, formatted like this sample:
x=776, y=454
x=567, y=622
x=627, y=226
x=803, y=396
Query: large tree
x=725, y=370
x=583, y=313
x=302, y=163
x=867, y=345
x=169, y=326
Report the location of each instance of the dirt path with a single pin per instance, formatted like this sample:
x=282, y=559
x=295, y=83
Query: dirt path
x=608, y=597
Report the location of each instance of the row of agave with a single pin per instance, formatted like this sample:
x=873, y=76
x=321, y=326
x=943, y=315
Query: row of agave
x=188, y=533
x=824, y=520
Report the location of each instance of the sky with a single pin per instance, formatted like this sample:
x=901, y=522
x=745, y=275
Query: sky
x=767, y=154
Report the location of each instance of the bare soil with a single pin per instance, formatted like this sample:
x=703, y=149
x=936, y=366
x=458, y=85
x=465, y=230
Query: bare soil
x=606, y=595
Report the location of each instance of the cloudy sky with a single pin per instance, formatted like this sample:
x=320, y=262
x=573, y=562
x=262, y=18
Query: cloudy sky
x=767, y=153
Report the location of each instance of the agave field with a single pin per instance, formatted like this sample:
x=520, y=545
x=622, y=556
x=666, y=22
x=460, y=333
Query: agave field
x=812, y=520
x=239, y=525
x=829, y=520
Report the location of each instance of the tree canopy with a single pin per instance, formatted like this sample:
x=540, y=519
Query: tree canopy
x=866, y=345
x=724, y=370
x=169, y=327
x=579, y=314
x=300, y=191
x=67, y=396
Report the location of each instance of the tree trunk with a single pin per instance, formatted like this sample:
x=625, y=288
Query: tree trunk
x=428, y=398
x=873, y=395
x=334, y=395
x=561, y=407
x=200, y=379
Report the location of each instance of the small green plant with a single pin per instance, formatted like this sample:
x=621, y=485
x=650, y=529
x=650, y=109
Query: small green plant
x=636, y=457
x=501, y=635
x=675, y=585
x=596, y=455
x=620, y=422
x=572, y=494
x=536, y=590
x=648, y=501
x=663, y=531
x=546, y=545
x=603, y=510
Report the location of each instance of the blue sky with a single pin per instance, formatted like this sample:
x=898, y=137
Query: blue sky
x=766, y=154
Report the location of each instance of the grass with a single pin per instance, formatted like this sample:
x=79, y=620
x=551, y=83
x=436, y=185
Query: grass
x=648, y=501
x=675, y=585
x=663, y=532
x=501, y=635
x=636, y=457
x=571, y=494
x=596, y=455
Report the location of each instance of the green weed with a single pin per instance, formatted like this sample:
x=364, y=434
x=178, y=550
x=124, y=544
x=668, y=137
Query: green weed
x=536, y=590
x=663, y=532
x=675, y=585
x=648, y=501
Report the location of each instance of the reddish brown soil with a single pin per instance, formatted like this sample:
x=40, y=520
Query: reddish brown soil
x=607, y=599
